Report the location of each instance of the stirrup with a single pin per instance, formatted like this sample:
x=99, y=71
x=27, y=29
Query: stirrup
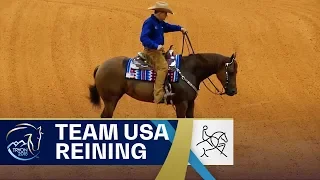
x=165, y=100
x=168, y=94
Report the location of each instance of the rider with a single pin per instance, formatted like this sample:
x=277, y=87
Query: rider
x=152, y=38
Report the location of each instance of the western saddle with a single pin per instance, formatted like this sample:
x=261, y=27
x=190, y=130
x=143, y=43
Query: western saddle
x=141, y=62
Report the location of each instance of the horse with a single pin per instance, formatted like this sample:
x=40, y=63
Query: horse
x=111, y=82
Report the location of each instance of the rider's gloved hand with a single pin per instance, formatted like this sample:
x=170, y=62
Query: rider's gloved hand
x=160, y=48
x=184, y=30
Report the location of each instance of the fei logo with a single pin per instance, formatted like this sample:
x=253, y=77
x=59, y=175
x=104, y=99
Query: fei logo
x=212, y=141
x=24, y=141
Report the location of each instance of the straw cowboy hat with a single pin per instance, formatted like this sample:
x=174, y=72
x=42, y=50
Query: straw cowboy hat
x=161, y=6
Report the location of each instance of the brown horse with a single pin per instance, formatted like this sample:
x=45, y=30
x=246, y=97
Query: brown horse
x=111, y=83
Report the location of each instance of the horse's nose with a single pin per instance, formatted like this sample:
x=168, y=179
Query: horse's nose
x=234, y=91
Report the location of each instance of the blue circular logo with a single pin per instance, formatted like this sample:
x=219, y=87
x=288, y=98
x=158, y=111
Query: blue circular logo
x=24, y=141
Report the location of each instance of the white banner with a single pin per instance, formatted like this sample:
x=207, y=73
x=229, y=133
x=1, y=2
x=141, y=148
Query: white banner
x=212, y=141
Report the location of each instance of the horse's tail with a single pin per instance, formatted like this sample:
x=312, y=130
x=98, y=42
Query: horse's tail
x=94, y=94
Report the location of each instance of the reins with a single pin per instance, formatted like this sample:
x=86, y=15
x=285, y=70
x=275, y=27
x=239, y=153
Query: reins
x=188, y=41
x=183, y=40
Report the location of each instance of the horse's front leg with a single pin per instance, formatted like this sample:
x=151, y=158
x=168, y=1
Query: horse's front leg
x=190, y=110
x=181, y=109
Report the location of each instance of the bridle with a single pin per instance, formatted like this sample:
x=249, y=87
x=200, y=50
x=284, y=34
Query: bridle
x=227, y=73
x=226, y=66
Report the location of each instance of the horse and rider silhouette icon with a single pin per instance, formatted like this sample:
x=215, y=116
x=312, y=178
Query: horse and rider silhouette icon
x=214, y=141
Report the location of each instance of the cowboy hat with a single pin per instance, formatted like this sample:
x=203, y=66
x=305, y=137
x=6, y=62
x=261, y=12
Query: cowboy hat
x=161, y=6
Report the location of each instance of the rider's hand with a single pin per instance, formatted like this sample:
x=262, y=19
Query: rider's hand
x=160, y=48
x=184, y=30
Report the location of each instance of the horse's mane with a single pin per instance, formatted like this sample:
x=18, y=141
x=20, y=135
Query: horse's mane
x=207, y=58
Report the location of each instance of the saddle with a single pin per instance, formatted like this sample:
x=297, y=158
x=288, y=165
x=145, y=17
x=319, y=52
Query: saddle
x=141, y=61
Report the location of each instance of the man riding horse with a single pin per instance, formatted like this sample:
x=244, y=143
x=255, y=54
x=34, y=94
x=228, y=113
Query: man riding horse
x=174, y=73
x=152, y=38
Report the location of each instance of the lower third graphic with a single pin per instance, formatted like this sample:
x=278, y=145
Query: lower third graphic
x=214, y=140
x=24, y=141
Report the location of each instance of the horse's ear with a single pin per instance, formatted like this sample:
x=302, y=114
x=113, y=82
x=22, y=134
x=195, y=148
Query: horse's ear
x=233, y=56
x=232, y=62
x=231, y=59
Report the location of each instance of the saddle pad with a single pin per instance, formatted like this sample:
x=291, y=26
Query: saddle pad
x=150, y=75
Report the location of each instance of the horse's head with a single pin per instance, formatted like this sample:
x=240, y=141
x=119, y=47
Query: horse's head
x=227, y=75
x=34, y=139
x=224, y=137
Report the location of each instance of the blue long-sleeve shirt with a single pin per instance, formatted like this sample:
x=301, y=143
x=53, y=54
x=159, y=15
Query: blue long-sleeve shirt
x=153, y=31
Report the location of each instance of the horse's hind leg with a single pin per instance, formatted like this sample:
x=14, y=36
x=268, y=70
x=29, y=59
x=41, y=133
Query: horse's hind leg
x=109, y=107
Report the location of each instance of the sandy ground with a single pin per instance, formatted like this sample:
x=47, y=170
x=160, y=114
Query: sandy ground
x=49, y=48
